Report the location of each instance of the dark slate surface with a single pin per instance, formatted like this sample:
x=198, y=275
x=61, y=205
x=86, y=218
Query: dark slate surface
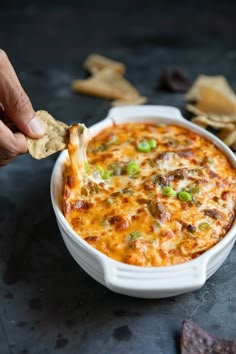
x=47, y=303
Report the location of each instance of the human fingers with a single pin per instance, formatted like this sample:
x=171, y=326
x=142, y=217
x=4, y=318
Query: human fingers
x=11, y=144
x=16, y=102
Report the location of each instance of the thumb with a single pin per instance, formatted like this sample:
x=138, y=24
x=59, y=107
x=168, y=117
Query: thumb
x=24, y=117
x=16, y=102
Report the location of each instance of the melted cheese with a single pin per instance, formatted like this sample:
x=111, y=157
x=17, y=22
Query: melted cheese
x=129, y=218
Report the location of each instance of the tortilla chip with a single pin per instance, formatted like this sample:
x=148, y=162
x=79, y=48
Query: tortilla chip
x=207, y=121
x=95, y=62
x=132, y=101
x=191, y=108
x=218, y=83
x=55, y=139
x=225, y=119
x=200, y=120
x=195, y=339
x=108, y=84
x=215, y=106
x=223, y=133
x=213, y=101
x=233, y=146
x=230, y=139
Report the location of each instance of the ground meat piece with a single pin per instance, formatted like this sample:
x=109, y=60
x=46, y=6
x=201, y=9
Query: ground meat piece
x=185, y=153
x=138, y=244
x=213, y=213
x=67, y=207
x=67, y=192
x=120, y=222
x=205, y=161
x=70, y=180
x=164, y=156
x=158, y=210
x=91, y=239
x=76, y=222
x=165, y=180
x=162, y=180
x=82, y=204
x=179, y=173
x=225, y=195
x=142, y=200
x=212, y=174
x=149, y=185
x=190, y=228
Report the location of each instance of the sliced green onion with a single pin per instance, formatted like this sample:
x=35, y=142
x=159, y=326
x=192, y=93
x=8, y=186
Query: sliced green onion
x=134, y=235
x=204, y=226
x=132, y=168
x=143, y=146
x=168, y=191
x=152, y=143
x=184, y=196
x=104, y=174
x=146, y=146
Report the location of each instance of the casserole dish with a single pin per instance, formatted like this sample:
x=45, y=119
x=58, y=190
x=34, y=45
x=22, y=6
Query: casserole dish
x=138, y=281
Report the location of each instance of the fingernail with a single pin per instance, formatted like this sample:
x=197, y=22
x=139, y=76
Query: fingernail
x=37, y=126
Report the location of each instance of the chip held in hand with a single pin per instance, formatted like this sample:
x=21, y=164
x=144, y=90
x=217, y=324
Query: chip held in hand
x=55, y=138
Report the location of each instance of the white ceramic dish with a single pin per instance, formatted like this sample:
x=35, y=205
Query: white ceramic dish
x=145, y=282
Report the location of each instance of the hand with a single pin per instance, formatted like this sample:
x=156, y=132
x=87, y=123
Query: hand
x=16, y=109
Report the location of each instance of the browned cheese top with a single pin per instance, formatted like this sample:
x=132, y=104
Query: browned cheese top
x=164, y=194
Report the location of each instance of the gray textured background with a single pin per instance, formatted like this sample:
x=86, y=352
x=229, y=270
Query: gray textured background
x=47, y=303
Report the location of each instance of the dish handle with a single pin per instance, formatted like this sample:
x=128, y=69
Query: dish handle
x=145, y=111
x=155, y=281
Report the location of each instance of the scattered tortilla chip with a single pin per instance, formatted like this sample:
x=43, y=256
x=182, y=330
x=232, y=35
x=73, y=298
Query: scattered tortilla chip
x=107, y=83
x=225, y=119
x=233, y=146
x=195, y=340
x=55, y=139
x=95, y=62
x=207, y=121
x=219, y=83
x=191, y=108
x=132, y=101
x=200, y=120
x=223, y=133
x=215, y=106
x=213, y=101
x=230, y=139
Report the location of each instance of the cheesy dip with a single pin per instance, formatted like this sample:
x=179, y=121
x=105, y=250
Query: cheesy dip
x=149, y=195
